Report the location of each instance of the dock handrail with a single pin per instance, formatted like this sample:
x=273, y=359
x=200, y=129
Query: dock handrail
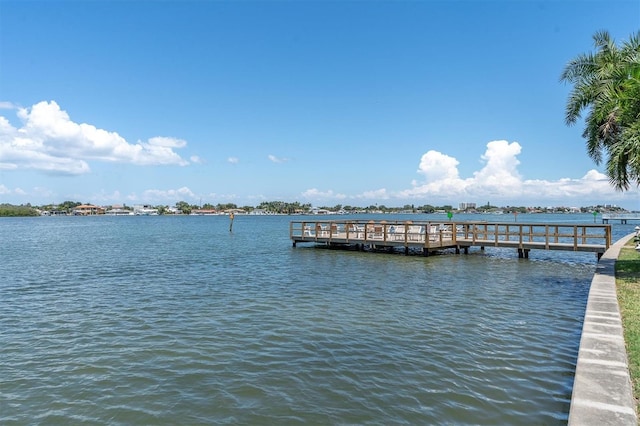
x=448, y=234
x=622, y=217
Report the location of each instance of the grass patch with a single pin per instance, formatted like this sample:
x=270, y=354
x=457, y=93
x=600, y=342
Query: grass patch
x=628, y=288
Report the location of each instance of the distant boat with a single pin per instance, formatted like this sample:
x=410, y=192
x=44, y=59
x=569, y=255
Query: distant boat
x=146, y=212
x=204, y=212
x=119, y=212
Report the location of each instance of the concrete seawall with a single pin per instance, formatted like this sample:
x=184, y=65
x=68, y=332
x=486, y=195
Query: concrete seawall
x=602, y=392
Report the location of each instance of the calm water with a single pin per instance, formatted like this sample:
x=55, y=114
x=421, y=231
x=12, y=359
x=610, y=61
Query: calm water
x=174, y=320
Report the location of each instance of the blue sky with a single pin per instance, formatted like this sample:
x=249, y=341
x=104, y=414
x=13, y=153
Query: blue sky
x=323, y=102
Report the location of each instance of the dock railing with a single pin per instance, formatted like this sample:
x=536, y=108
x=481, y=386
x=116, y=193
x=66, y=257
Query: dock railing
x=446, y=234
x=622, y=217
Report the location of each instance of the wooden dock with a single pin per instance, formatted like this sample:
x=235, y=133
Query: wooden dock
x=622, y=217
x=431, y=236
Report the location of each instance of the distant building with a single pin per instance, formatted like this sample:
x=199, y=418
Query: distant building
x=467, y=206
x=88, y=209
x=235, y=211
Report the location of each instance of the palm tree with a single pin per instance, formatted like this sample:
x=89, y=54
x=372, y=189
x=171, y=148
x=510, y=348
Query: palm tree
x=607, y=83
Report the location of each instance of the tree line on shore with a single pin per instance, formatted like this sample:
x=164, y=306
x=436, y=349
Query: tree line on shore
x=282, y=207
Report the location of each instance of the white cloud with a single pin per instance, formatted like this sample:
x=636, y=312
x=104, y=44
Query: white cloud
x=500, y=170
x=50, y=141
x=167, y=142
x=314, y=193
x=498, y=181
x=441, y=177
x=4, y=190
x=233, y=160
x=437, y=166
x=592, y=184
x=168, y=195
x=376, y=194
x=196, y=159
x=215, y=196
x=275, y=159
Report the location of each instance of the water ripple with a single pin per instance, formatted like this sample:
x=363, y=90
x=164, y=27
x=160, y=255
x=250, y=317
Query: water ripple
x=175, y=321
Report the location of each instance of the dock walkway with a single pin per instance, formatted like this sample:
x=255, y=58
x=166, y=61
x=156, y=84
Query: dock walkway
x=622, y=217
x=436, y=236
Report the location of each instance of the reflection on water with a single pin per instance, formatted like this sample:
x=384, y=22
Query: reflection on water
x=174, y=320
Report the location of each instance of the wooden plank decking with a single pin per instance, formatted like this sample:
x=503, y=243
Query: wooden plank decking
x=432, y=236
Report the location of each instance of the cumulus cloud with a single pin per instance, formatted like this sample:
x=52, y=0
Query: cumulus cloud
x=441, y=175
x=498, y=177
x=500, y=170
x=498, y=180
x=592, y=184
x=437, y=166
x=50, y=141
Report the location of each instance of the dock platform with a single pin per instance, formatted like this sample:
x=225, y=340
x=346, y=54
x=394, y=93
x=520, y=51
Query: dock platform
x=431, y=236
x=622, y=217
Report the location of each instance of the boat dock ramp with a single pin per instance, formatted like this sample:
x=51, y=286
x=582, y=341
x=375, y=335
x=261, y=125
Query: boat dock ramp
x=430, y=236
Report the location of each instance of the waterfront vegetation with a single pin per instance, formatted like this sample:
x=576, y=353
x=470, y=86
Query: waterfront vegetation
x=282, y=207
x=628, y=287
x=13, y=211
